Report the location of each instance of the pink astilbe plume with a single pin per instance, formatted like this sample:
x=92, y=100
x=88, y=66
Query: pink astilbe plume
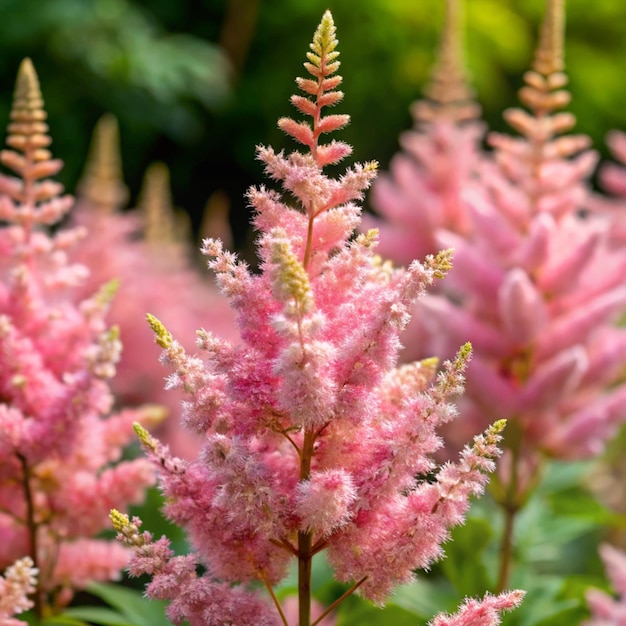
x=146, y=251
x=537, y=289
x=485, y=612
x=19, y=581
x=607, y=610
x=423, y=190
x=315, y=439
x=59, y=446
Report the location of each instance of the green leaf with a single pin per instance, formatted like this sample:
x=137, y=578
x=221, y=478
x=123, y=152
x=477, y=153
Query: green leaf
x=463, y=565
x=575, y=502
x=425, y=597
x=356, y=610
x=136, y=609
x=59, y=620
x=97, y=615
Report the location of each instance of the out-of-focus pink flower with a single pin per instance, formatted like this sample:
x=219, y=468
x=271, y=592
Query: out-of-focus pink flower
x=607, y=610
x=485, y=612
x=423, y=191
x=536, y=287
x=290, y=608
x=315, y=439
x=60, y=447
x=145, y=251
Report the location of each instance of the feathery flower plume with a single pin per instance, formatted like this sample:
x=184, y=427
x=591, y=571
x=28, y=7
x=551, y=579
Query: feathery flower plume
x=59, y=452
x=18, y=583
x=145, y=250
x=315, y=440
x=423, y=191
x=536, y=289
x=607, y=610
x=481, y=613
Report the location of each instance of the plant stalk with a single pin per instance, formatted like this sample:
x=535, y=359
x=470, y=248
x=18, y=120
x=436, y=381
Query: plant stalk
x=31, y=524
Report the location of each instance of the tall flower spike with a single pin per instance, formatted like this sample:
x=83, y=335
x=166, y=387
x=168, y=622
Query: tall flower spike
x=56, y=354
x=424, y=191
x=322, y=64
x=145, y=249
x=102, y=183
x=313, y=437
x=537, y=290
x=549, y=54
x=448, y=93
x=39, y=201
x=164, y=227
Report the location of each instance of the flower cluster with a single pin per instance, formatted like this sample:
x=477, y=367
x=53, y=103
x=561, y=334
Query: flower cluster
x=315, y=439
x=58, y=448
x=146, y=252
x=607, y=610
x=17, y=584
x=423, y=191
x=536, y=287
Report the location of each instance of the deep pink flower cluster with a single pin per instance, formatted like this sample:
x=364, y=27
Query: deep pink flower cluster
x=59, y=447
x=315, y=439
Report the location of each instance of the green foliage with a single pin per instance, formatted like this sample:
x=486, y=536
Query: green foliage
x=131, y=605
x=556, y=538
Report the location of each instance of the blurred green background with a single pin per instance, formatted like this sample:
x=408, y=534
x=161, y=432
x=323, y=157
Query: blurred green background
x=197, y=84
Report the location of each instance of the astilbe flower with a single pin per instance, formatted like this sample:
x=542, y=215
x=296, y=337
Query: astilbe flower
x=18, y=583
x=146, y=251
x=58, y=448
x=536, y=288
x=315, y=440
x=423, y=190
x=480, y=613
x=612, y=180
x=607, y=610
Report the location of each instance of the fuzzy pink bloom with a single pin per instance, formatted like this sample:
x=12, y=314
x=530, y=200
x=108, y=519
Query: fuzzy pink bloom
x=315, y=439
x=142, y=250
x=18, y=583
x=423, y=191
x=607, y=610
x=60, y=447
x=536, y=287
x=485, y=612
